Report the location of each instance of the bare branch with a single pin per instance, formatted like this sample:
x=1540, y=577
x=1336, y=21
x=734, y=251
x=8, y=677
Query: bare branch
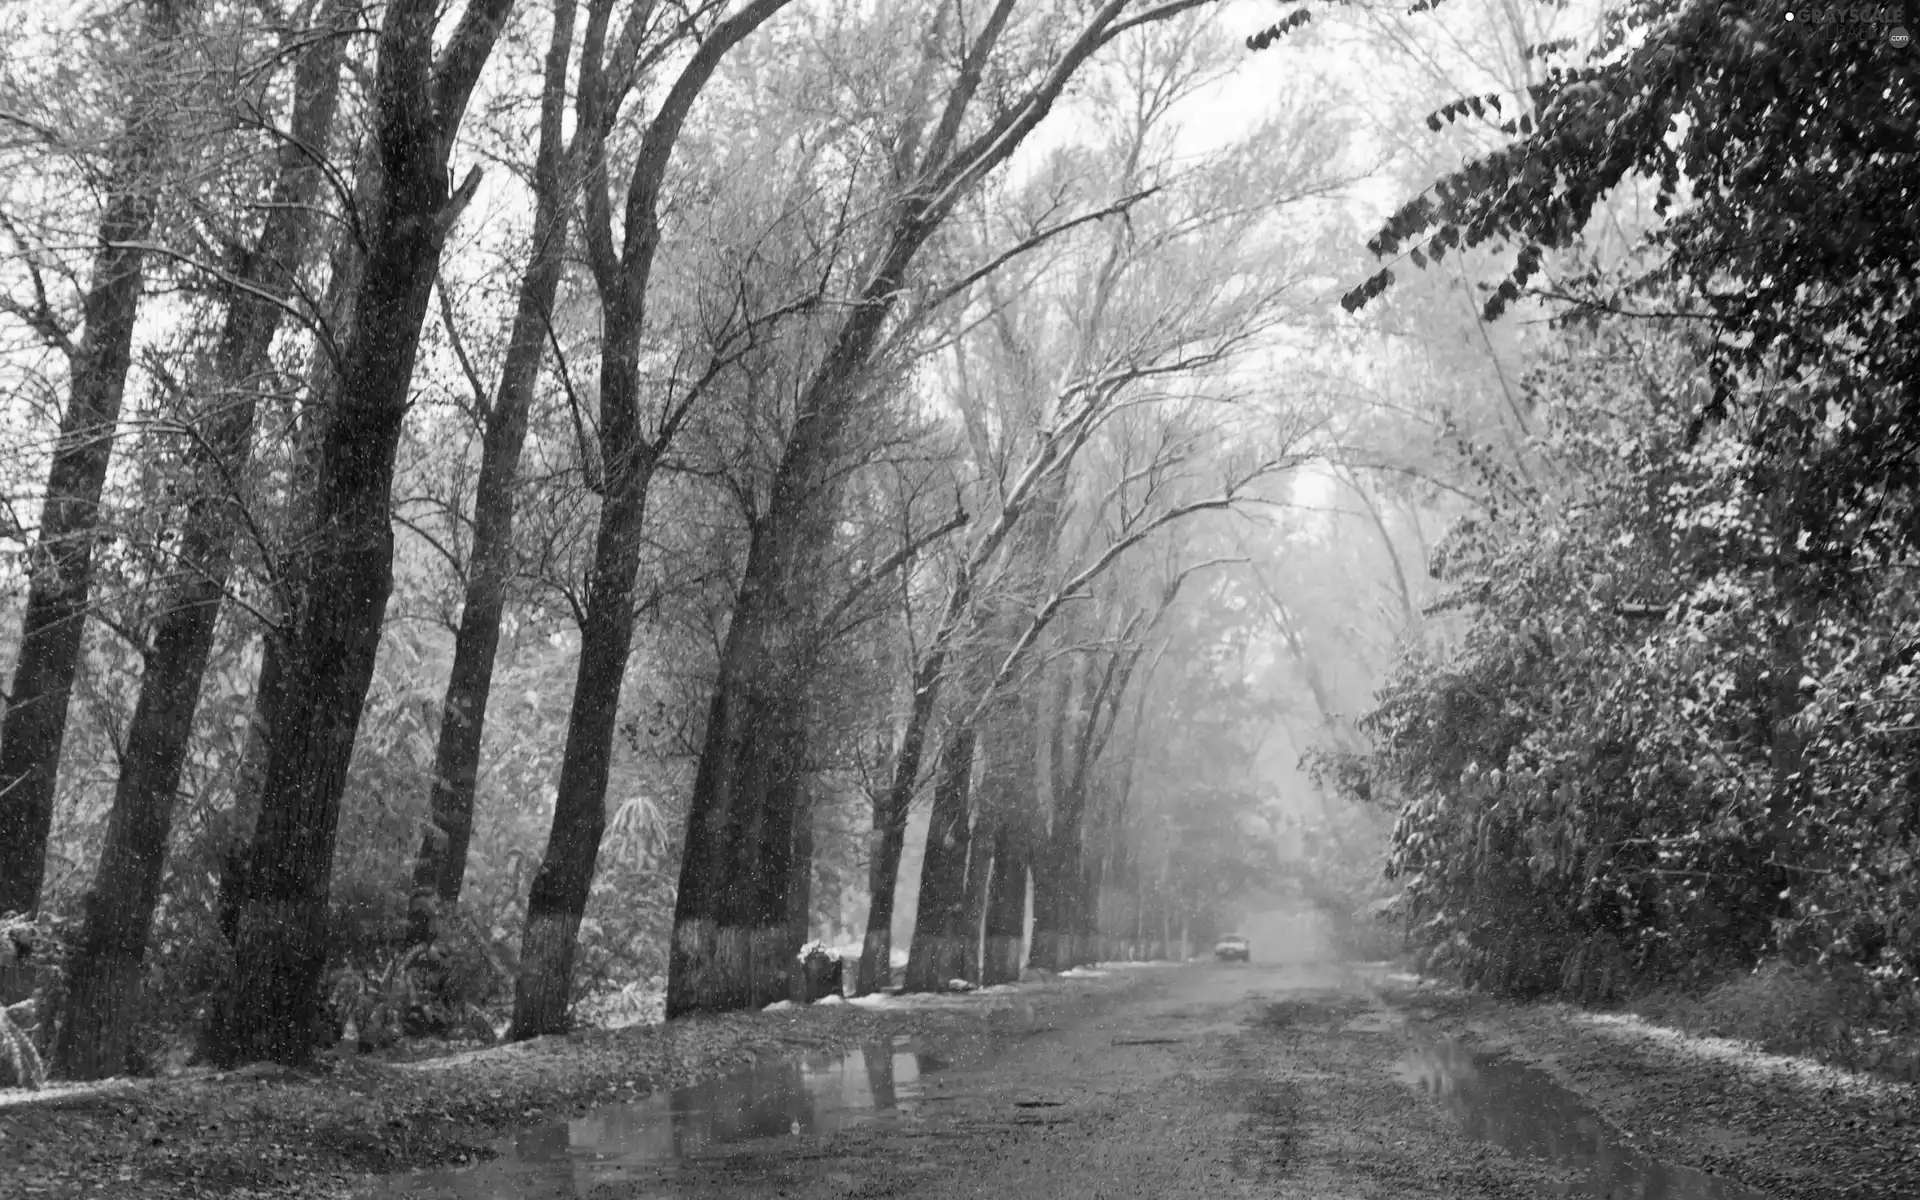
x=480, y=401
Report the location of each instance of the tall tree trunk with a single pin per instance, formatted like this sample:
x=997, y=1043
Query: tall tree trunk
x=1006, y=905
x=1058, y=876
x=558, y=898
x=1057, y=868
x=973, y=918
x=340, y=582
x=936, y=954
x=996, y=878
x=890, y=826
x=249, y=786
x=726, y=949
x=441, y=865
x=884, y=847
x=33, y=726
x=104, y=971
x=800, y=891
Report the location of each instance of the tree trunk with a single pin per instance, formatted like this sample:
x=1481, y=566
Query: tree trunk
x=890, y=823
x=883, y=876
x=1086, y=942
x=560, y=888
x=800, y=894
x=105, y=970
x=937, y=952
x=1057, y=921
x=726, y=944
x=248, y=788
x=1006, y=905
x=340, y=582
x=441, y=866
x=973, y=917
x=544, y=986
x=33, y=725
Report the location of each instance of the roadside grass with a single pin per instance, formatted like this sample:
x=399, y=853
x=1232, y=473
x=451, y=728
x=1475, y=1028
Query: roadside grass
x=1841, y=1019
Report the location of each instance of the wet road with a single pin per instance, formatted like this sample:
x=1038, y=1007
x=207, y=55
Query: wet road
x=1221, y=1080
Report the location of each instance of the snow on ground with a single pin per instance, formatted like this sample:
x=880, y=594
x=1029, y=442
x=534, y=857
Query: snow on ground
x=1082, y=973
x=1743, y=1055
x=66, y=1091
x=849, y=953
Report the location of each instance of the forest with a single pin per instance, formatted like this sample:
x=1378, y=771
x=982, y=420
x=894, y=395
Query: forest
x=521, y=515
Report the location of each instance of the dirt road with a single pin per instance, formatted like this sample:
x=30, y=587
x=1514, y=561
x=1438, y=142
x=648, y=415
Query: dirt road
x=1216, y=1081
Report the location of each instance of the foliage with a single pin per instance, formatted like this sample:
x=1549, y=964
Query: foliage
x=32, y=961
x=436, y=990
x=1779, y=239
x=1657, y=737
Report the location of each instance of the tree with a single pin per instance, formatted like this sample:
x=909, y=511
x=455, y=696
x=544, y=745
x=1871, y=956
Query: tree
x=105, y=966
x=35, y=720
x=440, y=867
x=1116, y=318
x=1714, y=113
x=339, y=581
x=629, y=457
x=730, y=928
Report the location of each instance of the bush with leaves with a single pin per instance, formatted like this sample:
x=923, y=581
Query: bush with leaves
x=1659, y=746
x=33, y=952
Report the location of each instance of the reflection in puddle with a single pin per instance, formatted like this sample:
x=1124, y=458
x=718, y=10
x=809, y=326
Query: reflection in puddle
x=1525, y=1111
x=569, y=1158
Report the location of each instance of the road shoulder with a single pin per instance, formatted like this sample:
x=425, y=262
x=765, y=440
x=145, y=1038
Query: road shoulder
x=1789, y=1127
x=272, y=1134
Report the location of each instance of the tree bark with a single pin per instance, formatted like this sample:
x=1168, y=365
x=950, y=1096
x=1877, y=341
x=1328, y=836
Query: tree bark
x=33, y=726
x=558, y=899
x=890, y=814
x=340, y=582
x=996, y=878
x=105, y=970
x=1006, y=905
x=973, y=917
x=884, y=847
x=938, y=949
x=800, y=893
x=441, y=865
x=1056, y=866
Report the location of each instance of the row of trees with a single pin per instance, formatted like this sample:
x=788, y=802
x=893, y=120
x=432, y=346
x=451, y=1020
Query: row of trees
x=815, y=381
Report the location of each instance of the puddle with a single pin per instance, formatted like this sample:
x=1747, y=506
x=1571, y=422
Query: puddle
x=1524, y=1111
x=568, y=1158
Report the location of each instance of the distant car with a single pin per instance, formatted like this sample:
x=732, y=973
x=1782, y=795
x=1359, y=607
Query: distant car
x=1233, y=947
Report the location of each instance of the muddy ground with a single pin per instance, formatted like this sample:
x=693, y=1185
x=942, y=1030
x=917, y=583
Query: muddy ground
x=1210, y=1080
